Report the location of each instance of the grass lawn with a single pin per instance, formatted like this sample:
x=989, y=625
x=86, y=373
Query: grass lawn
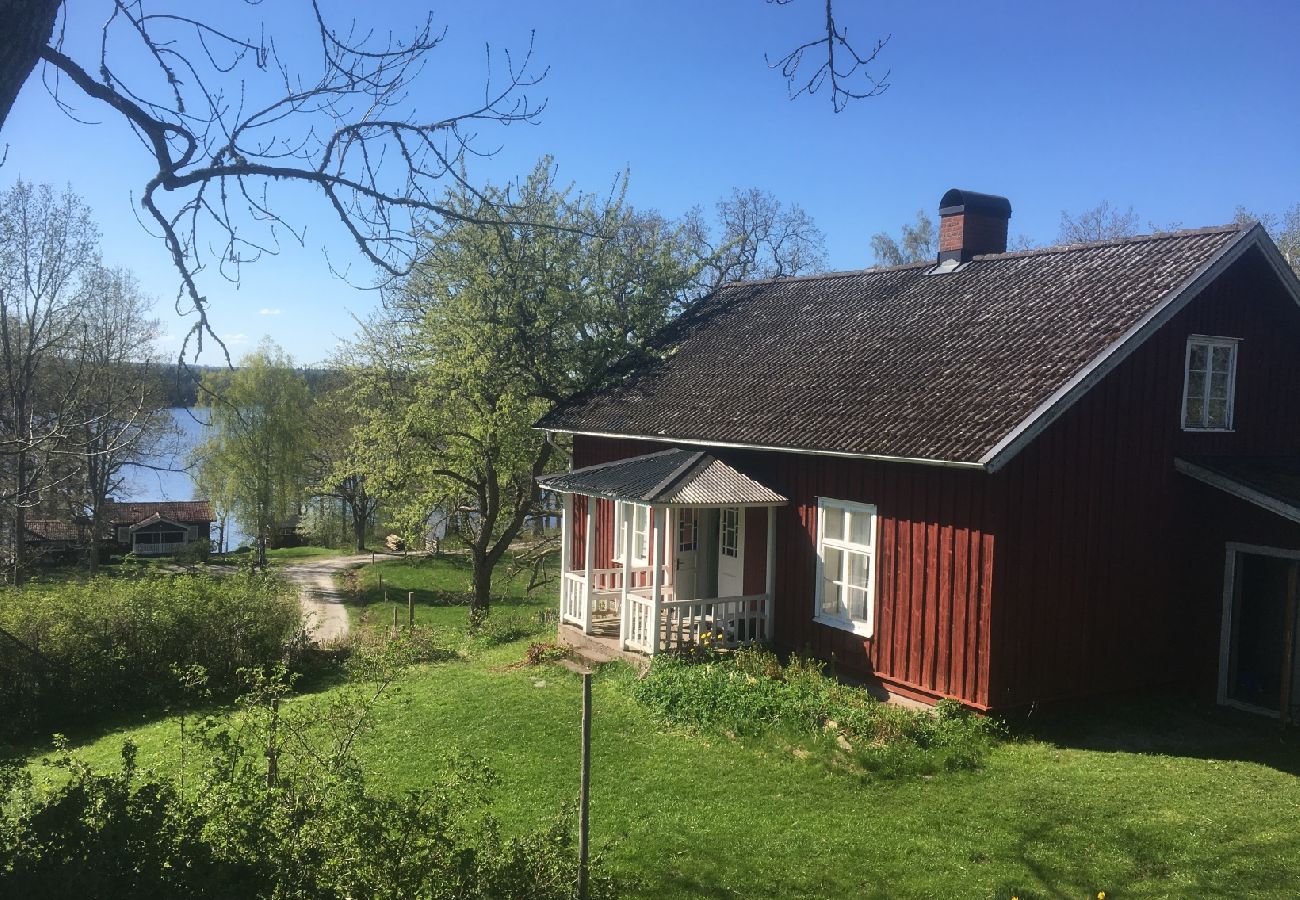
x=1145, y=800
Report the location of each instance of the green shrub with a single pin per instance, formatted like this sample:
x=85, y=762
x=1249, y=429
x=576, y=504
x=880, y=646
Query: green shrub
x=278, y=807
x=750, y=694
x=81, y=651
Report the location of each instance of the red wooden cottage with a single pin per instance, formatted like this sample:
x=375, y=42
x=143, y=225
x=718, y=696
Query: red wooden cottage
x=1002, y=478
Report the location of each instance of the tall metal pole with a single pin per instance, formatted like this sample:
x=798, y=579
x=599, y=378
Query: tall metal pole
x=584, y=785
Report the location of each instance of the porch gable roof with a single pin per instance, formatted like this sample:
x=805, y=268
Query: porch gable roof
x=673, y=477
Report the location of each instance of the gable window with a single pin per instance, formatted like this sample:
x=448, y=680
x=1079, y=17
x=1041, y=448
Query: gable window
x=637, y=518
x=846, y=547
x=1211, y=382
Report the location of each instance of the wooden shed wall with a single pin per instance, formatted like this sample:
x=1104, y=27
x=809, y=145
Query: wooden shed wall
x=1100, y=539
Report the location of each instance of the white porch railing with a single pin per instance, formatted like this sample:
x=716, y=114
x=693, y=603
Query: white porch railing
x=731, y=622
x=573, y=599
x=640, y=613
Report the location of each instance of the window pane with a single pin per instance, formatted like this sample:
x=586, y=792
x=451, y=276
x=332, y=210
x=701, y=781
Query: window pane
x=859, y=570
x=834, y=523
x=857, y=604
x=860, y=528
x=1218, y=414
x=830, y=597
x=1219, y=385
x=1195, y=411
x=1197, y=358
x=833, y=562
x=1221, y=358
x=1196, y=384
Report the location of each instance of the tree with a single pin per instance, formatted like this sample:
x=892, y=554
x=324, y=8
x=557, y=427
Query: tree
x=1101, y=223
x=226, y=112
x=755, y=236
x=1284, y=229
x=496, y=322
x=336, y=467
x=849, y=78
x=120, y=413
x=917, y=243
x=253, y=464
x=48, y=255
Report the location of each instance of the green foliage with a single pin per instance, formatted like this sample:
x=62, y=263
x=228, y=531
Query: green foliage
x=750, y=694
x=86, y=650
x=254, y=462
x=193, y=553
x=280, y=807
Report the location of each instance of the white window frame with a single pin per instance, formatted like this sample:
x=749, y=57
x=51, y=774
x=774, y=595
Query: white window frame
x=863, y=627
x=1210, y=344
x=628, y=512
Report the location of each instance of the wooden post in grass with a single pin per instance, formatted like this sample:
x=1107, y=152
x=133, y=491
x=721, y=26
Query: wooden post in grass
x=584, y=784
x=394, y=630
x=410, y=609
x=272, y=753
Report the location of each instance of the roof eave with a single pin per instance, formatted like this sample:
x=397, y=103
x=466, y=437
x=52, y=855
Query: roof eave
x=1238, y=489
x=726, y=445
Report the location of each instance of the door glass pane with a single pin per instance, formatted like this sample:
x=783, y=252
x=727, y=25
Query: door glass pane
x=686, y=530
x=728, y=532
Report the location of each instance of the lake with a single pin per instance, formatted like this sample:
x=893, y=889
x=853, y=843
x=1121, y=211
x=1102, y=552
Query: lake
x=170, y=481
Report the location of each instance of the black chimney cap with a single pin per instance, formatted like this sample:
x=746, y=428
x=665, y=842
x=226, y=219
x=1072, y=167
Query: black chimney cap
x=956, y=201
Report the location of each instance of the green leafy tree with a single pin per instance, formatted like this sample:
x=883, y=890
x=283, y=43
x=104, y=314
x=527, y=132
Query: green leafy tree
x=253, y=464
x=916, y=243
x=497, y=322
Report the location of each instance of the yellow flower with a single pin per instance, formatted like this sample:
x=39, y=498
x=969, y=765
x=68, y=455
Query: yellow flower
x=1101, y=895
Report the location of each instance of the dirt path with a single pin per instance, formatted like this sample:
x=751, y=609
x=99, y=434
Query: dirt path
x=322, y=604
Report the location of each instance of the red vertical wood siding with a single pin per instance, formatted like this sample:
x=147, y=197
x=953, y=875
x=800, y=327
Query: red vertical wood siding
x=1111, y=578
x=929, y=518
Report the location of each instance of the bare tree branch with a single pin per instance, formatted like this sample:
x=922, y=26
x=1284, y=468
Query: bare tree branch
x=849, y=77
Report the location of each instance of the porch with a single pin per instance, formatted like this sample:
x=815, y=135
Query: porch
x=655, y=557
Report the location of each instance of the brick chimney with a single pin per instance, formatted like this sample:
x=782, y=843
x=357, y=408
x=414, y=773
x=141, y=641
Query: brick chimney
x=971, y=223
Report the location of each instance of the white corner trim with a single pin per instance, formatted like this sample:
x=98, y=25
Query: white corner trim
x=1068, y=394
x=1238, y=490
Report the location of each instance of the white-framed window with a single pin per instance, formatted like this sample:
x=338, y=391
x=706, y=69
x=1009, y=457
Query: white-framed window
x=636, y=517
x=1210, y=383
x=846, y=555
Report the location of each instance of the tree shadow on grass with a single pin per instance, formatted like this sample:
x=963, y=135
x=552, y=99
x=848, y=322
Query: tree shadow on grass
x=1165, y=724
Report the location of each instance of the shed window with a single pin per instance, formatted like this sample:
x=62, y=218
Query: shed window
x=1210, y=384
x=846, y=547
x=637, y=516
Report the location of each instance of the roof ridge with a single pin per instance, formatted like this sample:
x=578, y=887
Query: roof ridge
x=1009, y=254
x=1115, y=242
x=692, y=458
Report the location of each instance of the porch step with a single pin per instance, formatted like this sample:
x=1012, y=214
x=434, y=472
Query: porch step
x=596, y=650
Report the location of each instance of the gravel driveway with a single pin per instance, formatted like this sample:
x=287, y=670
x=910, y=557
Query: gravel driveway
x=322, y=604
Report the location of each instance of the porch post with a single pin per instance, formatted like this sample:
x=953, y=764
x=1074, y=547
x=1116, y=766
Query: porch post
x=769, y=597
x=589, y=540
x=620, y=523
x=566, y=536
x=657, y=516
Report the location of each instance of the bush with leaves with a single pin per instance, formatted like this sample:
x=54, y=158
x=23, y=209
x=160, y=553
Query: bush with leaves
x=279, y=806
x=83, y=650
x=751, y=694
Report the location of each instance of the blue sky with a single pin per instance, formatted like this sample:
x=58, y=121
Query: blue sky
x=1182, y=109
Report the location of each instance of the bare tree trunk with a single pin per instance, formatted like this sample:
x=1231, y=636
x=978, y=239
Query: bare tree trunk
x=481, y=604
x=27, y=26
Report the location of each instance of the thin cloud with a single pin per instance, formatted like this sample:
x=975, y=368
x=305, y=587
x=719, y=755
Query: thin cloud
x=234, y=339
x=269, y=311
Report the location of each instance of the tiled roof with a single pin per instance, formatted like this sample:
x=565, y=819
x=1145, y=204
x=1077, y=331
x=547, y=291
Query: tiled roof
x=894, y=362
x=176, y=510
x=671, y=476
x=53, y=530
